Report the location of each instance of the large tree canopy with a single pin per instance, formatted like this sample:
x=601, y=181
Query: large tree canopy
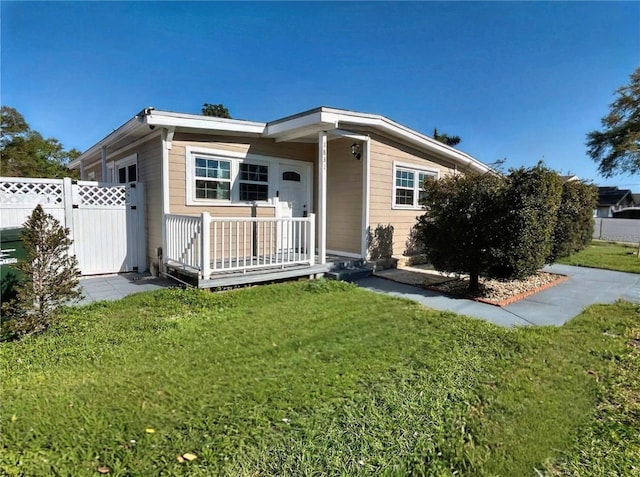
x=617, y=147
x=26, y=153
x=216, y=110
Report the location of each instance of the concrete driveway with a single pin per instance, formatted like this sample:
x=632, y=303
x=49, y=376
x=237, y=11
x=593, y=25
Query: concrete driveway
x=554, y=306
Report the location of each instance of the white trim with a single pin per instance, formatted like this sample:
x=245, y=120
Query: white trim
x=348, y=134
x=344, y=254
x=125, y=162
x=416, y=183
x=166, y=207
x=366, y=197
x=322, y=197
x=91, y=176
x=209, y=123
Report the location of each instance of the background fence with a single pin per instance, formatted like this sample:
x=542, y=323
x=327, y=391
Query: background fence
x=618, y=230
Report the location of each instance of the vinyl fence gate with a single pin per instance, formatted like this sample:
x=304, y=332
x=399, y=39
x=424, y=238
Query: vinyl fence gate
x=105, y=221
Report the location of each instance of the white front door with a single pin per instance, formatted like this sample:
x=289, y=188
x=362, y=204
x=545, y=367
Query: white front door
x=292, y=191
x=294, y=199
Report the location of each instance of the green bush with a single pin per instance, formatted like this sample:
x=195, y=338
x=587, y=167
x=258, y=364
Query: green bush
x=497, y=226
x=574, y=227
x=462, y=223
x=527, y=213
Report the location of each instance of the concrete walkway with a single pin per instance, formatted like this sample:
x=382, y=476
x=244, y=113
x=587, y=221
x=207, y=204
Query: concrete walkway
x=554, y=306
x=115, y=287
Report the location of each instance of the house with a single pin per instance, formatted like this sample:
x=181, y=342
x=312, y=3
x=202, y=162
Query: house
x=233, y=198
x=612, y=199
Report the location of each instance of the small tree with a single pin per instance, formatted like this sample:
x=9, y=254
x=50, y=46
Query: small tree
x=216, y=110
x=50, y=275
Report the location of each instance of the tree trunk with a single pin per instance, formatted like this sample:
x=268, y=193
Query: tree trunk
x=474, y=282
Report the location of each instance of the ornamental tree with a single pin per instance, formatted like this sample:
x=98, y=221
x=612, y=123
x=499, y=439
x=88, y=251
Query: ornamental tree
x=50, y=275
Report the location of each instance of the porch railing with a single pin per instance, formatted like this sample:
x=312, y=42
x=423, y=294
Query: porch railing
x=224, y=244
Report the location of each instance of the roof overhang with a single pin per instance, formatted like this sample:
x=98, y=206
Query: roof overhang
x=307, y=125
x=304, y=127
x=145, y=122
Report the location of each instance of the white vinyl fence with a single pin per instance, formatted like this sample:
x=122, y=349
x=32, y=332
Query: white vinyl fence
x=618, y=230
x=105, y=221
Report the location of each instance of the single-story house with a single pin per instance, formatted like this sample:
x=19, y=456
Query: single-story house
x=612, y=199
x=228, y=195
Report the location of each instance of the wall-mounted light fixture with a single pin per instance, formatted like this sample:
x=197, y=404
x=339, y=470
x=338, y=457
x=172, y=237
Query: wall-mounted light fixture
x=355, y=150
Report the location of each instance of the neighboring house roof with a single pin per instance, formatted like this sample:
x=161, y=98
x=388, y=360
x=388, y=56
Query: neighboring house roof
x=611, y=196
x=569, y=178
x=301, y=127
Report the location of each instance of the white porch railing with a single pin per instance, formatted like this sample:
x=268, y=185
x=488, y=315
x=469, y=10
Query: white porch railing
x=224, y=244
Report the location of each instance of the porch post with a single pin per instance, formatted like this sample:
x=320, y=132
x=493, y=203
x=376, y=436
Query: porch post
x=322, y=197
x=366, y=169
x=103, y=157
x=205, y=254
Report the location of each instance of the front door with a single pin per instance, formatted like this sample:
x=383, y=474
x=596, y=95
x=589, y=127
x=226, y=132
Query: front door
x=292, y=191
x=294, y=202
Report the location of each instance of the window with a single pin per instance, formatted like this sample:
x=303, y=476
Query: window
x=404, y=187
x=126, y=170
x=227, y=177
x=213, y=179
x=254, y=182
x=407, y=190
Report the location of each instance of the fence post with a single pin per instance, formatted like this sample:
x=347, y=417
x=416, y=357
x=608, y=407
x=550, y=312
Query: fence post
x=312, y=239
x=67, y=200
x=205, y=251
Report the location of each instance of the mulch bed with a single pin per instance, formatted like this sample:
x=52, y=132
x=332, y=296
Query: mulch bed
x=499, y=293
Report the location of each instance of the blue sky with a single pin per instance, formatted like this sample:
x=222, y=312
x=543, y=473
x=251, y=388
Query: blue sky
x=521, y=81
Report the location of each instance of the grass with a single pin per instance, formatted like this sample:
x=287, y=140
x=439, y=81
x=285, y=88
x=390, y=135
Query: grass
x=316, y=378
x=607, y=255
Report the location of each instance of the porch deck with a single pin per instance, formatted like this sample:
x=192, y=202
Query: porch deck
x=262, y=275
x=227, y=251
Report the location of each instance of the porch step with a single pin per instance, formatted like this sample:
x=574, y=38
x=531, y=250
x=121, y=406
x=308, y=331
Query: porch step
x=349, y=274
x=346, y=264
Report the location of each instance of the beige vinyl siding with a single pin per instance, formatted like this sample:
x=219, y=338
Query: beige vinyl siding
x=150, y=174
x=96, y=168
x=381, y=212
x=344, y=198
x=256, y=146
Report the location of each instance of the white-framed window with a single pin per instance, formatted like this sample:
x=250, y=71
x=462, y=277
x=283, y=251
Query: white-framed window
x=225, y=177
x=407, y=185
x=126, y=170
x=212, y=178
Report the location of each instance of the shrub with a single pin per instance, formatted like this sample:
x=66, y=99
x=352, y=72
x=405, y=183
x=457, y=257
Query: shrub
x=461, y=223
x=574, y=227
x=528, y=212
x=50, y=275
x=491, y=225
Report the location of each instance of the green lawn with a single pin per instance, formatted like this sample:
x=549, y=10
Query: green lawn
x=607, y=255
x=318, y=378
